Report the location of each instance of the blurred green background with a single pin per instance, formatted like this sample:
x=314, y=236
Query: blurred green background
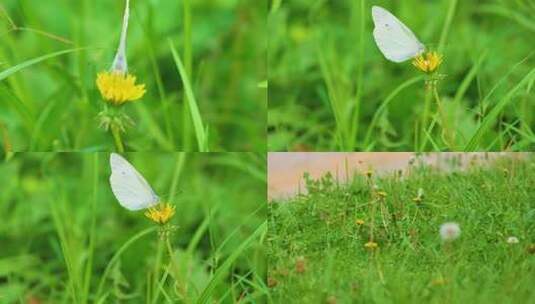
x=330, y=88
x=60, y=226
x=53, y=105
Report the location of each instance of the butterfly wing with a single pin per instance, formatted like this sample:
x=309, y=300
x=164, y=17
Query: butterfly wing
x=395, y=40
x=129, y=187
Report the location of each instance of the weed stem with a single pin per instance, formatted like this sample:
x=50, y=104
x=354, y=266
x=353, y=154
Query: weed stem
x=425, y=116
x=444, y=119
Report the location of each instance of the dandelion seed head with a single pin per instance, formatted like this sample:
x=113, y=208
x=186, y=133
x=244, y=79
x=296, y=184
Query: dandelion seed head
x=512, y=240
x=450, y=231
x=117, y=88
x=428, y=62
x=161, y=213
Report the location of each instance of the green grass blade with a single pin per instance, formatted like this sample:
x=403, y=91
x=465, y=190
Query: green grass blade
x=200, y=132
x=465, y=84
x=494, y=9
x=179, y=166
x=275, y=5
x=14, y=69
x=92, y=231
x=153, y=126
x=496, y=111
x=117, y=255
x=385, y=103
x=447, y=25
x=188, y=64
x=206, y=294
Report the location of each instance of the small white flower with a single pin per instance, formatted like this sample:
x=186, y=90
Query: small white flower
x=449, y=231
x=512, y=240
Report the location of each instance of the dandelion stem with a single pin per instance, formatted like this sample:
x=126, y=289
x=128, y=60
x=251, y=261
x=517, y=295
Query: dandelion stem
x=175, y=269
x=425, y=116
x=116, y=132
x=444, y=119
x=372, y=221
x=157, y=267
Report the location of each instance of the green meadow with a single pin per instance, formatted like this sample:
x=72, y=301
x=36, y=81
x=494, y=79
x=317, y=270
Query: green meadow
x=319, y=242
x=51, y=52
x=64, y=238
x=330, y=88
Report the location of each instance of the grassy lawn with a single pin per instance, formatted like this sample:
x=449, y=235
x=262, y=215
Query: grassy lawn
x=65, y=238
x=321, y=245
x=330, y=88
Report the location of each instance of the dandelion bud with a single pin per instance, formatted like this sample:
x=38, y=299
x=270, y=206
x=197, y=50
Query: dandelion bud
x=450, y=231
x=371, y=245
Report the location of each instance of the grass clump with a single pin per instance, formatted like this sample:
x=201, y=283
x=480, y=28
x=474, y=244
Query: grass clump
x=378, y=239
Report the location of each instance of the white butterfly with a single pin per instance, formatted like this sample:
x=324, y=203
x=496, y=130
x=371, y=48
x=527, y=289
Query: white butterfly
x=129, y=187
x=395, y=40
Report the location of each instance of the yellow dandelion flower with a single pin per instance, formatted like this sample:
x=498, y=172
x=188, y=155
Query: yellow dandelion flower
x=371, y=245
x=428, y=62
x=419, y=198
x=382, y=194
x=118, y=88
x=116, y=85
x=160, y=214
x=359, y=222
x=439, y=282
